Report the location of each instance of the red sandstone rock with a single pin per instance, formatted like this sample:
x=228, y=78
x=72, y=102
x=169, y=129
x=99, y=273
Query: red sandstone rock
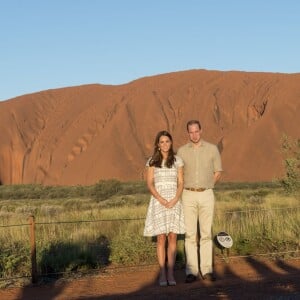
x=79, y=135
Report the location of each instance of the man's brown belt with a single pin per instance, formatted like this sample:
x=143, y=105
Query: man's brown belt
x=195, y=190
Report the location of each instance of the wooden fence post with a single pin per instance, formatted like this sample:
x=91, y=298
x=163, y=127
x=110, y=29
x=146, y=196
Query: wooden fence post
x=34, y=277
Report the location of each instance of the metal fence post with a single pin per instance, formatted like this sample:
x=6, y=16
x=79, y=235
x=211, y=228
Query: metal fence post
x=34, y=276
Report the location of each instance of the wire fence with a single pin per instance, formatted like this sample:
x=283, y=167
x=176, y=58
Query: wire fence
x=99, y=246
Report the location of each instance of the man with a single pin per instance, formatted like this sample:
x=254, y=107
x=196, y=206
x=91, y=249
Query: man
x=202, y=169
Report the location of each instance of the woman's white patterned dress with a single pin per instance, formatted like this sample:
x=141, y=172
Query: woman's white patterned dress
x=161, y=220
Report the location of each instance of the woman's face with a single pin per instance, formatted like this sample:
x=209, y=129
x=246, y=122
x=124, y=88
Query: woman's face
x=164, y=144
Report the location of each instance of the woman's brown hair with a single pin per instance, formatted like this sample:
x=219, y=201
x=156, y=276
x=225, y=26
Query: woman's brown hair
x=156, y=159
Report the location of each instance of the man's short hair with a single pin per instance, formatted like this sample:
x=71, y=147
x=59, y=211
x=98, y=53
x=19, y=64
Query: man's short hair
x=192, y=122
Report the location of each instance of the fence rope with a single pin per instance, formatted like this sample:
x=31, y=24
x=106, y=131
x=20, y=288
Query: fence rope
x=262, y=209
x=143, y=218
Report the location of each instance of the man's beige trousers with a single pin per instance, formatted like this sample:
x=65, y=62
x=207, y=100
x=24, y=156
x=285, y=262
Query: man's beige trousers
x=198, y=207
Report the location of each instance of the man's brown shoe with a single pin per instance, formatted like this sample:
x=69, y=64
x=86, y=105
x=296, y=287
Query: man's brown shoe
x=209, y=277
x=190, y=278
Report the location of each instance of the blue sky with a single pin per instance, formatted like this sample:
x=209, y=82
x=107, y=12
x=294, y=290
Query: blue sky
x=59, y=43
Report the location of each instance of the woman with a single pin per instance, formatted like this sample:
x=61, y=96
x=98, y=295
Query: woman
x=165, y=215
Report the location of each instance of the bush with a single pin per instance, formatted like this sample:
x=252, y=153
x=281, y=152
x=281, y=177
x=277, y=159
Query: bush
x=130, y=248
x=291, y=151
x=105, y=189
x=14, y=260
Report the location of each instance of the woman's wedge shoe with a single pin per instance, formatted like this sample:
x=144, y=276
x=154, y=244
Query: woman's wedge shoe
x=163, y=283
x=171, y=282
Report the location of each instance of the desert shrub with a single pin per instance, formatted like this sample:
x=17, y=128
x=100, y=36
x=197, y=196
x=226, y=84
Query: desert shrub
x=238, y=195
x=14, y=260
x=73, y=204
x=136, y=187
x=291, y=151
x=51, y=210
x=129, y=248
x=244, y=246
x=26, y=209
x=105, y=189
x=258, y=196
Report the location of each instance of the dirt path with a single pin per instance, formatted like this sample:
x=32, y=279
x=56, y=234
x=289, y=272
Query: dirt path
x=239, y=278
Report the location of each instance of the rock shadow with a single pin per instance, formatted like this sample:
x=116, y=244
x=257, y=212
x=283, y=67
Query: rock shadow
x=267, y=284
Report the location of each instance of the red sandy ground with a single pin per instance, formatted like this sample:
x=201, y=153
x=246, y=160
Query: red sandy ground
x=238, y=278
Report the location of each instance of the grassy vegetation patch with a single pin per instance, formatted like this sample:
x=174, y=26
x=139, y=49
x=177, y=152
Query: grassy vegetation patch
x=84, y=228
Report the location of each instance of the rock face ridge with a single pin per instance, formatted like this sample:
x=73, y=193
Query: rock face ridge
x=79, y=135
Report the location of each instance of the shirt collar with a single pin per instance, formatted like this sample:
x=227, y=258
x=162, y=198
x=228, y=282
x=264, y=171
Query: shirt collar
x=202, y=143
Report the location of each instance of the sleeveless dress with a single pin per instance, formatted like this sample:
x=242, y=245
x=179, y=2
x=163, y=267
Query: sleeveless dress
x=161, y=220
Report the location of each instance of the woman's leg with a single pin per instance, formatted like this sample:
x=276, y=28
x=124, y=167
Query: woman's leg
x=172, y=246
x=161, y=256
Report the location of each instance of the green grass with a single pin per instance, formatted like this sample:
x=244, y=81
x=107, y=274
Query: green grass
x=84, y=228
